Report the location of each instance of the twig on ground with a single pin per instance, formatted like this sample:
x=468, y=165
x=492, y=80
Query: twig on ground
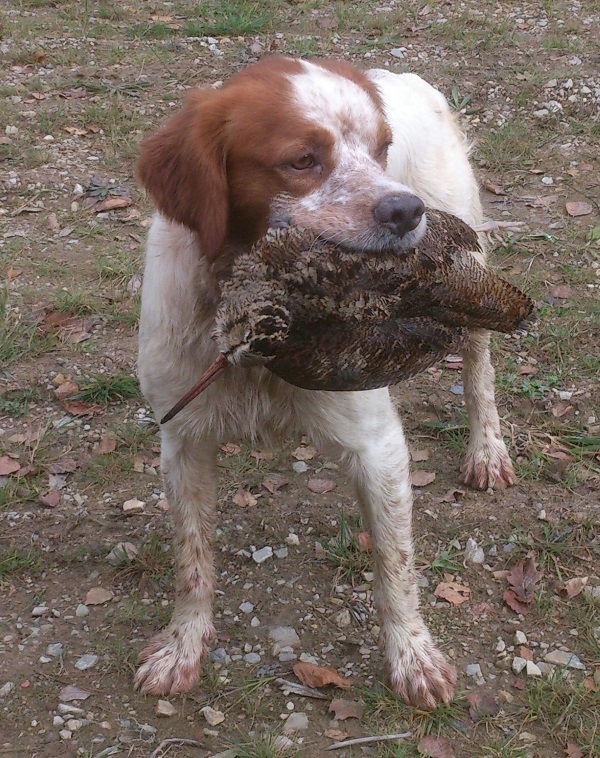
x=365, y=740
x=172, y=741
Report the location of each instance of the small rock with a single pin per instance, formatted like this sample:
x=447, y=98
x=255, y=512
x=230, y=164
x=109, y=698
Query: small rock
x=296, y=722
x=122, y=554
x=474, y=670
x=133, y=506
x=40, y=610
x=343, y=618
x=246, y=607
x=64, y=709
x=300, y=467
x=55, y=649
x=260, y=556
x=518, y=664
x=541, y=113
x=292, y=539
x=532, y=670
x=65, y=734
x=500, y=646
x=74, y=724
x=212, y=716
x=82, y=610
x=86, y=662
x=164, y=709
x=563, y=658
x=6, y=689
x=283, y=636
x=98, y=596
x=219, y=656
x=281, y=553
x=252, y=658
x=473, y=553
x=281, y=743
x=255, y=621
x=397, y=52
x=520, y=638
x=58, y=721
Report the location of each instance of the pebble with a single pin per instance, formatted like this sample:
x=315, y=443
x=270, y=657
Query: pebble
x=246, y=607
x=58, y=721
x=164, y=709
x=255, y=621
x=473, y=553
x=281, y=553
x=300, y=467
x=74, y=724
x=252, y=658
x=500, y=645
x=520, y=638
x=343, y=618
x=65, y=734
x=532, y=669
x=219, y=656
x=260, y=556
x=82, y=610
x=563, y=658
x=40, y=610
x=296, y=722
x=6, y=689
x=212, y=716
x=397, y=52
x=65, y=709
x=474, y=670
x=518, y=664
x=283, y=637
x=86, y=662
x=122, y=553
x=133, y=506
x=55, y=649
x=292, y=539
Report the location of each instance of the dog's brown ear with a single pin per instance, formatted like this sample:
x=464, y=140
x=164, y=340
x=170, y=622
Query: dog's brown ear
x=183, y=168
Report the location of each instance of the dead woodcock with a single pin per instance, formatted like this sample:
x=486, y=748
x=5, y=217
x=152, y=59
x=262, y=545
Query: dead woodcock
x=324, y=317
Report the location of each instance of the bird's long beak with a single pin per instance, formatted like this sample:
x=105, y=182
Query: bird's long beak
x=208, y=377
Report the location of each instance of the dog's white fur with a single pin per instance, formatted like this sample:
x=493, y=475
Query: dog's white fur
x=428, y=154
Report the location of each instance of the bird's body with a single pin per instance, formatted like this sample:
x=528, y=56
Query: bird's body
x=324, y=317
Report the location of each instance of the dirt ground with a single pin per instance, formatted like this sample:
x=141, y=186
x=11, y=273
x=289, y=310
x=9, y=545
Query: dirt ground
x=80, y=85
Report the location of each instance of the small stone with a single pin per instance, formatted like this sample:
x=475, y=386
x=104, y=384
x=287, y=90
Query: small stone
x=246, y=607
x=98, y=596
x=397, y=52
x=532, y=670
x=474, y=670
x=518, y=664
x=212, y=716
x=542, y=515
x=219, y=656
x=55, y=649
x=292, y=539
x=74, y=724
x=133, y=506
x=255, y=621
x=500, y=646
x=65, y=709
x=296, y=722
x=65, y=734
x=164, y=709
x=545, y=668
x=281, y=743
x=6, y=689
x=122, y=554
x=563, y=658
x=82, y=611
x=260, y=556
x=58, y=721
x=520, y=638
x=300, y=467
x=473, y=553
x=86, y=662
x=281, y=553
x=252, y=658
x=541, y=113
x=40, y=610
x=343, y=618
x=282, y=637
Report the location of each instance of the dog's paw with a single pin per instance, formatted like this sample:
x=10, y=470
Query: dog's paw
x=488, y=464
x=421, y=676
x=171, y=661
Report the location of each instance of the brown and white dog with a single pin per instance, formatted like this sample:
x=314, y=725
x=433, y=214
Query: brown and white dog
x=355, y=155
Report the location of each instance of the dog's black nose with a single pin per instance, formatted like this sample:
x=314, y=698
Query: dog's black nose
x=400, y=213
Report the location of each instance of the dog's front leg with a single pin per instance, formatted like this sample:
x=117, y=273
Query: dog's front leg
x=368, y=427
x=487, y=463
x=172, y=660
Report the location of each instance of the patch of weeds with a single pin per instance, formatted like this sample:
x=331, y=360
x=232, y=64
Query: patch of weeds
x=263, y=745
x=158, y=30
x=136, y=437
x=502, y=748
x=13, y=561
x=118, y=267
x=51, y=121
x=107, y=468
x=229, y=17
x=108, y=388
x=121, y=656
x=18, y=339
x=459, y=102
x=75, y=301
x=510, y=383
x=444, y=562
x=507, y=148
x=453, y=435
x=153, y=565
x=16, y=402
x=567, y=709
x=344, y=552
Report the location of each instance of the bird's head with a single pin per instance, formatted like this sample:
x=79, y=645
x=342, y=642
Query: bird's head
x=250, y=334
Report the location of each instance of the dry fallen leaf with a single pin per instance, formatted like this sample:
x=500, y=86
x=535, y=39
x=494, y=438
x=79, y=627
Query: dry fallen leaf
x=66, y=390
x=112, y=203
x=452, y=496
x=482, y=704
x=572, y=751
x=72, y=692
x=526, y=369
x=422, y=478
x=575, y=586
x=435, y=747
x=363, y=542
x=321, y=486
x=107, y=444
x=304, y=453
x=229, y=448
x=274, y=482
x=419, y=455
x=62, y=466
x=578, y=209
x=523, y=578
x=261, y=455
x=244, y=499
x=453, y=592
x=51, y=499
x=319, y=676
x=346, y=709
x=98, y=596
x=335, y=734
x=561, y=409
x=495, y=189
x=8, y=465
x=561, y=291
x=79, y=408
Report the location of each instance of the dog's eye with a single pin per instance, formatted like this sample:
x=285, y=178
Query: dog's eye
x=383, y=149
x=306, y=161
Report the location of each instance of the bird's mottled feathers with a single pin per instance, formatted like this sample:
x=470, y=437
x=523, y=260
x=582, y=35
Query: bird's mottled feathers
x=322, y=316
